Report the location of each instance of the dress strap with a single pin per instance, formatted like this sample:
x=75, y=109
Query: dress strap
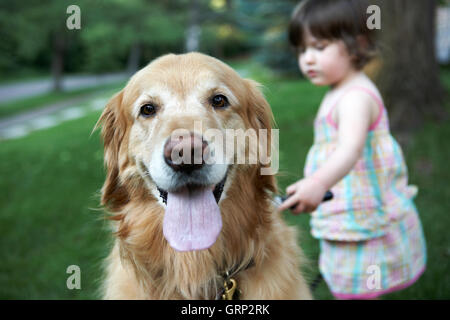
x=370, y=93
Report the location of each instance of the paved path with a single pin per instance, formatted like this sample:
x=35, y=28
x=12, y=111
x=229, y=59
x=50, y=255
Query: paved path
x=28, y=121
x=22, y=124
x=32, y=88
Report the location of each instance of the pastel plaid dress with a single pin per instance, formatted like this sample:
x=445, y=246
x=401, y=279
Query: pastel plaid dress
x=372, y=241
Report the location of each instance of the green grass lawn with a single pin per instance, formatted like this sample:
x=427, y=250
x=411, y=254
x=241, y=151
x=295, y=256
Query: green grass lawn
x=51, y=178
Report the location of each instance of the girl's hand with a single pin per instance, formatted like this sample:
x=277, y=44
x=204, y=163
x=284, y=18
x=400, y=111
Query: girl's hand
x=305, y=194
x=355, y=113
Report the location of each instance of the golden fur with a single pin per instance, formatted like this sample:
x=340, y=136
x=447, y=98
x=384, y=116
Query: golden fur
x=142, y=265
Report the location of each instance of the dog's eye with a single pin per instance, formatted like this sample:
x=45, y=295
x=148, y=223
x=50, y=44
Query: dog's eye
x=148, y=110
x=219, y=101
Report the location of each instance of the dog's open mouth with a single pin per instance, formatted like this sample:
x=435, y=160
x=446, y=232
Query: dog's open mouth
x=217, y=192
x=192, y=220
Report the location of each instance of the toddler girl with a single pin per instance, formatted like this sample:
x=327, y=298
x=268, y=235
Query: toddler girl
x=371, y=238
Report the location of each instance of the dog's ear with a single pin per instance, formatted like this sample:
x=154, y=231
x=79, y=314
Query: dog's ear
x=259, y=112
x=260, y=116
x=113, y=125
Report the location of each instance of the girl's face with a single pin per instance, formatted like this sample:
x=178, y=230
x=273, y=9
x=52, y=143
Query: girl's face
x=325, y=62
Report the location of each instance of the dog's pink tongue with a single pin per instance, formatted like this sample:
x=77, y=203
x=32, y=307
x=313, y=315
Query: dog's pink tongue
x=192, y=220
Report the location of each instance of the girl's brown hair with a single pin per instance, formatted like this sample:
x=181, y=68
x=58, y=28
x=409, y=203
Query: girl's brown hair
x=335, y=20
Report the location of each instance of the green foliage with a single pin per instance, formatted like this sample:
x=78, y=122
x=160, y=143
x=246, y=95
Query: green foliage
x=223, y=40
x=110, y=30
x=268, y=21
x=26, y=27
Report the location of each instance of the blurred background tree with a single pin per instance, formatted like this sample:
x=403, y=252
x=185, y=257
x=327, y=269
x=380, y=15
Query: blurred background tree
x=118, y=35
x=34, y=33
x=267, y=22
x=409, y=77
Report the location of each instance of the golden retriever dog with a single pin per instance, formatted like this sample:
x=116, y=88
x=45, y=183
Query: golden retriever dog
x=192, y=229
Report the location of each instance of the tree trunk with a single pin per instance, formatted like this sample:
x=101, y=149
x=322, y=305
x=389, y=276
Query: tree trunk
x=57, y=60
x=409, y=79
x=133, y=58
x=193, y=31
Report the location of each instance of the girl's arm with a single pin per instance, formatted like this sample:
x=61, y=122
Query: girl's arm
x=355, y=112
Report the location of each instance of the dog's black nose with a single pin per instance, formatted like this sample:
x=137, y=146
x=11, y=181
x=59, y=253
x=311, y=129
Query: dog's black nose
x=185, y=153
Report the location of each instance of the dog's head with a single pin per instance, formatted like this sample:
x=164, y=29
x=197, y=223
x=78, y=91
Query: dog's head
x=168, y=132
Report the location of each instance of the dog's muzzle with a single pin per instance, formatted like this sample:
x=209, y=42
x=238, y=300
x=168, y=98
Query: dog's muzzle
x=218, y=190
x=186, y=156
x=192, y=218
